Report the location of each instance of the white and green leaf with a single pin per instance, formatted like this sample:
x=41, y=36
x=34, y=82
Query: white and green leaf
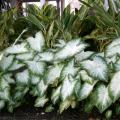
x=36, y=67
x=70, y=49
x=41, y=101
x=41, y=87
x=23, y=77
x=37, y=43
x=53, y=73
x=103, y=100
x=114, y=86
x=55, y=94
x=85, y=77
x=68, y=87
x=69, y=69
x=96, y=68
x=6, y=62
x=17, y=49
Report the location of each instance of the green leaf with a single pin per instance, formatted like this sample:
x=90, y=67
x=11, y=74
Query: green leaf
x=114, y=88
x=37, y=43
x=6, y=62
x=34, y=20
x=103, y=100
x=96, y=68
x=23, y=77
x=68, y=87
x=70, y=49
x=40, y=101
x=53, y=73
x=69, y=69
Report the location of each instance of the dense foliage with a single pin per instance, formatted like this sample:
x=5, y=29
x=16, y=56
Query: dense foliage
x=74, y=57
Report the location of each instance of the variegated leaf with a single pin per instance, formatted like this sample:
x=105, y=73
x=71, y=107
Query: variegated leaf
x=68, y=87
x=25, y=56
x=41, y=101
x=41, y=87
x=96, y=68
x=23, y=77
x=55, y=94
x=6, y=62
x=17, y=49
x=69, y=69
x=85, y=77
x=113, y=48
x=114, y=86
x=35, y=79
x=83, y=55
x=70, y=49
x=36, y=67
x=2, y=104
x=103, y=100
x=8, y=78
x=46, y=56
x=37, y=43
x=53, y=73
x=16, y=65
x=85, y=90
x=64, y=105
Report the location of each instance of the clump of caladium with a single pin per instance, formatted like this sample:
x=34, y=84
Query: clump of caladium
x=64, y=75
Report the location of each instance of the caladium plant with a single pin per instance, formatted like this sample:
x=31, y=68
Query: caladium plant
x=63, y=75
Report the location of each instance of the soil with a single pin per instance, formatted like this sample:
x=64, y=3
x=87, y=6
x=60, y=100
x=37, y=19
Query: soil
x=27, y=112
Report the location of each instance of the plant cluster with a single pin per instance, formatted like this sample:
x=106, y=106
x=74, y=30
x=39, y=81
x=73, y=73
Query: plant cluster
x=75, y=57
x=63, y=75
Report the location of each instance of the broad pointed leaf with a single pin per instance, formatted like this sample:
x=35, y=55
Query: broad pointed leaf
x=96, y=68
x=6, y=62
x=41, y=101
x=69, y=69
x=36, y=67
x=113, y=48
x=16, y=49
x=25, y=56
x=16, y=65
x=53, y=73
x=83, y=56
x=23, y=77
x=41, y=87
x=85, y=91
x=37, y=43
x=114, y=86
x=103, y=100
x=68, y=87
x=55, y=95
x=85, y=77
x=70, y=49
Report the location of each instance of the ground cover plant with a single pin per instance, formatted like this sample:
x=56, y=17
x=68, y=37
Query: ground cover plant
x=52, y=60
